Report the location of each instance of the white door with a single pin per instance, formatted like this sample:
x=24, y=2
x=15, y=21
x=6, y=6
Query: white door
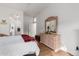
x=32, y=29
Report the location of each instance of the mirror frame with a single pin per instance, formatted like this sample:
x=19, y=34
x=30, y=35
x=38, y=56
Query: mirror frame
x=52, y=18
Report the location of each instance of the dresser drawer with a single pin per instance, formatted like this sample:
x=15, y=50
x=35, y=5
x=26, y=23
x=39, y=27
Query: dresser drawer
x=52, y=41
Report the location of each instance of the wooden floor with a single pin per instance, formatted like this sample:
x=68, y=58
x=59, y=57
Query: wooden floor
x=45, y=51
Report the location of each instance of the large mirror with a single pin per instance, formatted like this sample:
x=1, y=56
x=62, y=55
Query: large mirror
x=51, y=24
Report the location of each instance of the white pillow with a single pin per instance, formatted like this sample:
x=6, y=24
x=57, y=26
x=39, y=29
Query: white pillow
x=10, y=40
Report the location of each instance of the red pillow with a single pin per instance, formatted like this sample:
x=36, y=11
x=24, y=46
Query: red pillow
x=27, y=38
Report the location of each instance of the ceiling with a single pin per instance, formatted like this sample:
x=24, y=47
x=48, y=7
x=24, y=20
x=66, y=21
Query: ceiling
x=30, y=9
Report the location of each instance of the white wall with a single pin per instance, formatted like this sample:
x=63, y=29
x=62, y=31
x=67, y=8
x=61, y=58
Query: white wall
x=29, y=26
x=68, y=25
x=27, y=21
x=10, y=14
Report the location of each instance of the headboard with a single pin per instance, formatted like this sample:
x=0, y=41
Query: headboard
x=4, y=29
x=1, y=35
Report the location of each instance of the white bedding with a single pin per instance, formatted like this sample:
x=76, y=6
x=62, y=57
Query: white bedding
x=15, y=46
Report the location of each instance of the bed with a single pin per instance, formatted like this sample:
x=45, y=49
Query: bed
x=17, y=46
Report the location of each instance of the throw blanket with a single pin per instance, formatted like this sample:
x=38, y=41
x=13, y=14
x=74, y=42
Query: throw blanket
x=27, y=38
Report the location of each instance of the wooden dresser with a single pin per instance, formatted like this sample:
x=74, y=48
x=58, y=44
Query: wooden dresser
x=50, y=40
